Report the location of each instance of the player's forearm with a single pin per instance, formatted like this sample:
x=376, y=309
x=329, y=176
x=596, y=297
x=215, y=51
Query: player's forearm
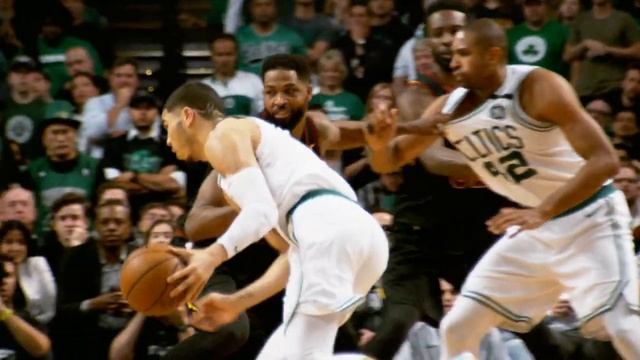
x=207, y=221
x=584, y=184
x=442, y=161
x=383, y=160
x=122, y=347
x=399, y=152
x=158, y=182
x=270, y=283
x=351, y=135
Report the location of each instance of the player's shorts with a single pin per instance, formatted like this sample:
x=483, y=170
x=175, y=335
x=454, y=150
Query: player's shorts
x=339, y=252
x=587, y=253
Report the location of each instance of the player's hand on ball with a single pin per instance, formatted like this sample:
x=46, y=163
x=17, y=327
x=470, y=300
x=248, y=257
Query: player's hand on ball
x=214, y=311
x=507, y=217
x=190, y=280
x=381, y=127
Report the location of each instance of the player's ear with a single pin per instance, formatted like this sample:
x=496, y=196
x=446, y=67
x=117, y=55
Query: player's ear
x=496, y=55
x=309, y=92
x=188, y=115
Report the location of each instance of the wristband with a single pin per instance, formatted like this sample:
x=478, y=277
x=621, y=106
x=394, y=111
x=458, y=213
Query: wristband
x=5, y=314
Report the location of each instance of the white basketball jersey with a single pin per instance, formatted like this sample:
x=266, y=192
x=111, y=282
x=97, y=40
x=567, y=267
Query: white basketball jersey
x=516, y=156
x=292, y=169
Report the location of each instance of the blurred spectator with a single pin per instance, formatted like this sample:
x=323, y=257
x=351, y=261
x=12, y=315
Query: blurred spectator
x=90, y=298
x=52, y=45
x=626, y=180
x=386, y=24
x=20, y=336
x=9, y=41
x=601, y=111
x=602, y=41
x=149, y=214
x=140, y=160
x=240, y=90
x=317, y=30
x=505, y=12
x=264, y=37
x=379, y=196
x=18, y=204
x=626, y=132
x=77, y=59
x=626, y=96
x=41, y=87
x=34, y=275
x=369, y=58
x=337, y=103
x=442, y=20
x=568, y=11
x=70, y=225
x=88, y=24
x=83, y=87
x=631, y=7
x=63, y=169
x=431, y=75
x=338, y=11
x=108, y=115
x=177, y=210
x=22, y=114
x=110, y=190
x=539, y=40
x=160, y=232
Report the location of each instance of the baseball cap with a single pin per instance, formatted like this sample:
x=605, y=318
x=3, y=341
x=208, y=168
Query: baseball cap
x=59, y=112
x=143, y=97
x=22, y=63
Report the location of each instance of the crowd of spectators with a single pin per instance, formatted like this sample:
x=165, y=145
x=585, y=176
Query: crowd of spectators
x=87, y=177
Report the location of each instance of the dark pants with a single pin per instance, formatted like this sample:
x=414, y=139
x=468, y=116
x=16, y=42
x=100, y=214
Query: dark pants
x=221, y=343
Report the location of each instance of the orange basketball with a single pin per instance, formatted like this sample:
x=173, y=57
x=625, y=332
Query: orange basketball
x=143, y=279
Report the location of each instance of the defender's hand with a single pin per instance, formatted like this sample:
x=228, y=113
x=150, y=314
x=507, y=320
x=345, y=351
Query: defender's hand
x=214, y=311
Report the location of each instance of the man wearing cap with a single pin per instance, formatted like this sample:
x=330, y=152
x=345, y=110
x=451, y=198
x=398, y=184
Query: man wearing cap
x=21, y=114
x=63, y=169
x=539, y=40
x=140, y=159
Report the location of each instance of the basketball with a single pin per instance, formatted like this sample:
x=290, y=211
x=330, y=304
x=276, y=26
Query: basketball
x=143, y=279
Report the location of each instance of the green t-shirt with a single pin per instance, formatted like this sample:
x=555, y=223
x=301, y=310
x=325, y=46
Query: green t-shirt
x=19, y=126
x=603, y=73
x=50, y=183
x=52, y=57
x=543, y=47
x=342, y=106
x=255, y=48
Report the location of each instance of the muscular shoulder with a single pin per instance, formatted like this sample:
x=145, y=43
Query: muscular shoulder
x=232, y=144
x=544, y=95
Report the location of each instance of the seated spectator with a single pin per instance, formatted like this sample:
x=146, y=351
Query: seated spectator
x=78, y=60
x=264, y=37
x=369, y=57
x=108, y=115
x=505, y=12
x=601, y=111
x=602, y=41
x=88, y=24
x=90, y=298
x=337, y=103
x=317, y=30
x=241, y=91
x=568, y=11
x=140, y=160
x=70, y=225
x=20, y=336
x=149, y=214
x=53, y=42
x=22, y=114
x=386, y=23
x=160, y=232
x=34, y=275
x=539, y=40
x=63, y=169
x=177, y=210
x=625, y=131
x=626, y=96
x=110, y=190
x=379, y=196
x=82, y=87
x=41, y=87
x=626, y=180
x=18, y=203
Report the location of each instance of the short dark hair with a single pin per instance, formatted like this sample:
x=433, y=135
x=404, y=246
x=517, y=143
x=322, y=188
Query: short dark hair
x=354, y=3
x=198, y=96
x=112, y=203
x=153, y=205
x=442, y=5
x=487, y=33
x=147, y=235
x=635, y=65
x=295, y=63
x=224, y=36
x=125, y=61
x=71, y=198
x=108, y=185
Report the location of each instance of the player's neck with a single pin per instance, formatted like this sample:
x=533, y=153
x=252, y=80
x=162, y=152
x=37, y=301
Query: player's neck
x=298, y=130
x=492, y=83
x=331, y=89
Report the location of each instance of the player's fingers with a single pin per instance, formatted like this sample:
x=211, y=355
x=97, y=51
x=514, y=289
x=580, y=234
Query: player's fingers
x=181, y=288
x=180, y=274
x=184, y=254
x=499, y=223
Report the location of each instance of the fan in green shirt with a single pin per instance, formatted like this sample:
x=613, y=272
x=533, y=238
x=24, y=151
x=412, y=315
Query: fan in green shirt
x=332, y=99
x=264, y=37
x=538, y=41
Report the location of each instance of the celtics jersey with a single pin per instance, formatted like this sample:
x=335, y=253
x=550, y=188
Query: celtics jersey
x=242, y=94
x=542, y=47
x=19, y=126
x=341, y=106
x=254, y=48
x=519, y=157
